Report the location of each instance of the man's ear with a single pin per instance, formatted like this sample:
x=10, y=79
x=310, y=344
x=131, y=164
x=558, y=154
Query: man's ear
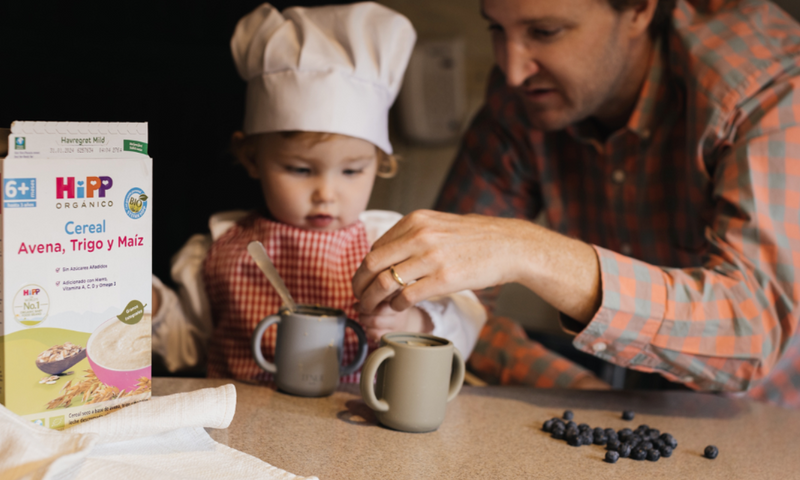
x=244, y=150
x=640, y=16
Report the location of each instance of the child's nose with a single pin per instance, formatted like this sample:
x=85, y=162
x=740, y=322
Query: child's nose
x=323, y=193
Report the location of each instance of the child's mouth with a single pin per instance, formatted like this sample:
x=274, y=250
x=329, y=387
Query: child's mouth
x=319, y=221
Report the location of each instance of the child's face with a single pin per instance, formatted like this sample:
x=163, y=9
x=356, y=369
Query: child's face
x=318, y=185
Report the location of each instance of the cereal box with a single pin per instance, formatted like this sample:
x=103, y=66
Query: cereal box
x=76, y=233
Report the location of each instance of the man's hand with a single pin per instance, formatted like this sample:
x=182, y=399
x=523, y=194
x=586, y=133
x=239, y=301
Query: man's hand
x=443, y=253
x=384, y=319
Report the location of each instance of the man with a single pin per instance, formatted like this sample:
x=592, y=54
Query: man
x=663, y=147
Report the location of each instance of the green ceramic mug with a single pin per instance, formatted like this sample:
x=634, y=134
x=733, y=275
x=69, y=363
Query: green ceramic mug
x=418, y=374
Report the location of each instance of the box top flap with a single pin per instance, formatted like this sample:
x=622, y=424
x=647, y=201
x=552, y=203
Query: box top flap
x=77, y=140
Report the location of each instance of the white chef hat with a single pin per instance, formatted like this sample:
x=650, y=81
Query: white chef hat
x=332, y=69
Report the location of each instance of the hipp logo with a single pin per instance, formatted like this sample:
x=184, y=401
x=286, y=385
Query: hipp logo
x=32, y=291
x=87, y=189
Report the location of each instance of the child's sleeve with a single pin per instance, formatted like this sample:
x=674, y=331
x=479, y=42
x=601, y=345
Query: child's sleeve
x=182, y=325
x=458, y=317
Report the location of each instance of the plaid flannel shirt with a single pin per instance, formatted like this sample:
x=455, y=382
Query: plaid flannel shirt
x=693, y=208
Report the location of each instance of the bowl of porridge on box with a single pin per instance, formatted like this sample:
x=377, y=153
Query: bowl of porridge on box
x=120, y=353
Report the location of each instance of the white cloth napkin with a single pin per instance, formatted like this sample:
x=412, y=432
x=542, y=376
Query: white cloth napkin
x=163, y=438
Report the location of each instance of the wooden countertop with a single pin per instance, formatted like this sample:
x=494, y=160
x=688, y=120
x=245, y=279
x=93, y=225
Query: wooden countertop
x=495, y=432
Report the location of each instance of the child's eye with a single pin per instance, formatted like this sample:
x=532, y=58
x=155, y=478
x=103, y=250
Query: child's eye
x=353, y=171
x=298, y=170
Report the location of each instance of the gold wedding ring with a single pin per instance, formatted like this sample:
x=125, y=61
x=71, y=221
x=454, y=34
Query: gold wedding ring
x=397, y=277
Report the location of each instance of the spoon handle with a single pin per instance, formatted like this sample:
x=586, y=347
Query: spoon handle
x=259, y=253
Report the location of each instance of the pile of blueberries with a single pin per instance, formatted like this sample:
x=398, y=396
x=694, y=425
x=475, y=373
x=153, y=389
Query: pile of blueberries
x=640, y=444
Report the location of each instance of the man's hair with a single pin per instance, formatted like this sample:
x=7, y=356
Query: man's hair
x=661, y=17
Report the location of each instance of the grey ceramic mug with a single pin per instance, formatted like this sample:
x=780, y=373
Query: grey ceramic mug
x=418, y=374
x=308, y=349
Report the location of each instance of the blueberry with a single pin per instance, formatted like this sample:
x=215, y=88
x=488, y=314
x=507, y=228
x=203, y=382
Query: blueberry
x=645, y=427
x=598, y=430
x=659, y=444
x=625, y=434
x=583, y=427
x=653, y=455
x=612, y=456
x=610, y=431
x=628, y=415
x=711, y=452
x=575, y=441
x=613, y=445
x=588, y=438
x=624, y=450
x=646, y=445
x=567, y=415
x=548, y=426
x=669, y=440
x=571, y=433
x=638, y=454
x=558, y=434
x=653, y=433
x=600, y=439
x=666, y=452
x=572, y=424
x=634, y=440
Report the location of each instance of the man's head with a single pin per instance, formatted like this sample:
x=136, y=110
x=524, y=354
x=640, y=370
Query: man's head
x=574, y=59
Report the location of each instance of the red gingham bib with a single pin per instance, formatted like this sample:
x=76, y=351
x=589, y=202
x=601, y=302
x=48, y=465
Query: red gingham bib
x=317, y=268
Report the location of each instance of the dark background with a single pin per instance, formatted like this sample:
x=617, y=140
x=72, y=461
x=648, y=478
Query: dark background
x=167, y=63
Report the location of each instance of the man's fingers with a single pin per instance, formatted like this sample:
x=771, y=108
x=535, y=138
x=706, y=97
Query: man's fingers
x=375, y=263
x=385, y=285
x=395, y=246
x=423, y=289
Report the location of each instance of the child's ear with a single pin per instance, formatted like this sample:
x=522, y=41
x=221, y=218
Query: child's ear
x=244, y=150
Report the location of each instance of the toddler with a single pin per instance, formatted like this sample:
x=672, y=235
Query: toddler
x=320, y=82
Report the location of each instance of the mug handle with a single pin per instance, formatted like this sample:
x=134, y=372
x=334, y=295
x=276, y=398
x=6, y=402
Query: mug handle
x=368, y=375
x=255, y=344
x=457, y=377
x=362, y=349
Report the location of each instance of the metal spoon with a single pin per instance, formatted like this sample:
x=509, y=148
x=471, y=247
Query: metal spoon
x=259, y=253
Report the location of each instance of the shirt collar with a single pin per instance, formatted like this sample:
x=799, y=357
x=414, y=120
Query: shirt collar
x=652, y=96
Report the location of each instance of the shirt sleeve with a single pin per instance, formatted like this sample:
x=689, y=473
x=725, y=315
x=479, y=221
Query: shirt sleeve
x=182, y=326
x=724, y=325
x=458, y=317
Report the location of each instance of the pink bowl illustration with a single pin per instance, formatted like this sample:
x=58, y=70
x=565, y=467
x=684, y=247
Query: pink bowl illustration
x=111, y=344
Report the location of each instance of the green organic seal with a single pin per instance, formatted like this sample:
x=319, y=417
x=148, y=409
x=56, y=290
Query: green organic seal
x=133, y=312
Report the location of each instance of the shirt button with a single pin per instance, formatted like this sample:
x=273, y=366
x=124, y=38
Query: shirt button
x=626, y=249
x=618, y=176
x=599, y=347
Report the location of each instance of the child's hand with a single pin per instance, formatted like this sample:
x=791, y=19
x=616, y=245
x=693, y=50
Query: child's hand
x=384, y=319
